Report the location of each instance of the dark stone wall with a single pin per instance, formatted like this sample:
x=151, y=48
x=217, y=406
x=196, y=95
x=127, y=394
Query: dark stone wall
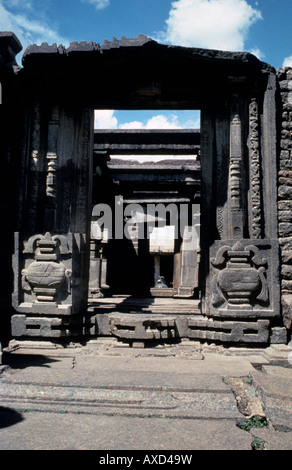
x=284, y=76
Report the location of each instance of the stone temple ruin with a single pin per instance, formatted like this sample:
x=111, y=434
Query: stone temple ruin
x=68, y=271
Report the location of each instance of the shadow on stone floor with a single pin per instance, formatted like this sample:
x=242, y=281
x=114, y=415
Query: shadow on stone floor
x=9, y=417
x=21, y=361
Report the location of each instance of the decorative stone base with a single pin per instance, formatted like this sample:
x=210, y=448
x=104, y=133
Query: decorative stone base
x=148, y=321
x=50, y=327
x=230, y=331
x=146, y=324
x=148, y=328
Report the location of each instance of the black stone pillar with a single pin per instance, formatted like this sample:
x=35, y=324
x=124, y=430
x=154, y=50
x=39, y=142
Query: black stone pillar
x=51, y=258
x=9, y=115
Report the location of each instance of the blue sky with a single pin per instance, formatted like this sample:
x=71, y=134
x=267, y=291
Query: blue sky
x=262, y=27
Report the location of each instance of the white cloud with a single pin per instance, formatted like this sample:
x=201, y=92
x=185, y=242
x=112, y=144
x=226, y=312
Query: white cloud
x=156, y=122
x=258, y=53
x=99, y=4
x=28, y=30
x=288, y=62
x=132, y=125
x=16, y=3
x=105, y=119
x=211, y=24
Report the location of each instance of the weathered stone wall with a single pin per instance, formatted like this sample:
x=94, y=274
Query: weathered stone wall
x=284, y=76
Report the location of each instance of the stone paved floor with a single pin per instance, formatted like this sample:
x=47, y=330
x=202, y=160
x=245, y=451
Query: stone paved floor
x=106, y=397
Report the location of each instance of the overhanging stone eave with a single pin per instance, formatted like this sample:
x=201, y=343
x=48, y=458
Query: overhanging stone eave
x=155, y=76
x=127, y=47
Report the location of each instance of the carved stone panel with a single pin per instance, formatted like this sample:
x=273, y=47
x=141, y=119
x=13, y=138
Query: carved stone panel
x=42, y=274
x=244, y=279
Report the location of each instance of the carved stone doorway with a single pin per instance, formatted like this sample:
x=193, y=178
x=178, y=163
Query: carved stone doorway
x=53, y=154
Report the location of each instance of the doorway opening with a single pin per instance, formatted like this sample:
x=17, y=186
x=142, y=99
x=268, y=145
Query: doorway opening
x=145, y=225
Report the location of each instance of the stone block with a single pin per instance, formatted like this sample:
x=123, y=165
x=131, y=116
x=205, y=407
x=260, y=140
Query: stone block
x=278, y=335
x=285, y=177
x=286, y=286
x=182, y=326
x=103, y=327
x=143, y=328
x=285, y=229
x=283, y=84
x=230, y=331
x=286, y=163
x=161, y=292
x=286, y=257
x=21, y=325
x=285, y=205
x=286, y=272
x=285, y=192
x=285, y=243
x=287, y=311
x=49, y=327
x=285, y=216
x=284, y=155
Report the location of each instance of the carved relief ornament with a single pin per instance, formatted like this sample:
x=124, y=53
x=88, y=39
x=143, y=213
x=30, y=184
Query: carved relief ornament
x=241, y=277
x=46, y=275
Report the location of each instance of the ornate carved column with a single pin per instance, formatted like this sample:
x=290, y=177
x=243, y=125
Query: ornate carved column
x=255, y=215
x=52, y=167
x=235, y=172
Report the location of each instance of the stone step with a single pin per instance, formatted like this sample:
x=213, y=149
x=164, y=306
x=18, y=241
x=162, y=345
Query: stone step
x=134, y=401
x=145, y=305
x=98, y=384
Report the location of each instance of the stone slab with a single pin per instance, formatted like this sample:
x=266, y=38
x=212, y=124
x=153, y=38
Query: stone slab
x=143, y=386
x=79, y=398
x=116, y=402
x=274, y=385
x=55, y=431
x=276, y=392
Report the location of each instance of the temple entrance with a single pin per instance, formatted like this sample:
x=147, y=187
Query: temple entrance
x=68, y=180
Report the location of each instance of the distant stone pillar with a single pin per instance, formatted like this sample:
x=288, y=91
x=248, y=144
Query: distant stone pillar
x=98, y=261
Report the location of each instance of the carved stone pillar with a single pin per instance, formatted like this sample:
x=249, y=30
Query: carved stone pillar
x=236, y=170
x=240, y=254
x=51, y=256
x=255, y=213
